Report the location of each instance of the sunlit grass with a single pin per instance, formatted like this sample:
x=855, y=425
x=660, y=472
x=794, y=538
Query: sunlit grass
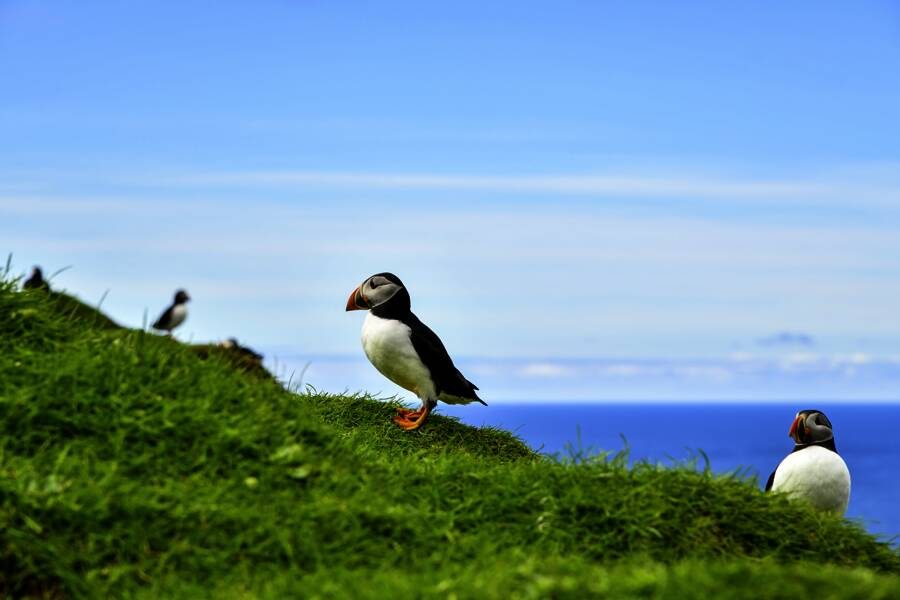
x=131, y=464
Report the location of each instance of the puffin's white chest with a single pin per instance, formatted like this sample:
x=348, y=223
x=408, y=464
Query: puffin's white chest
x=387, y=344
x=817, y=475
x=179, y=314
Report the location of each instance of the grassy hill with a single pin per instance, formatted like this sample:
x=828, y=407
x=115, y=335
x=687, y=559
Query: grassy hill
x=133, y=465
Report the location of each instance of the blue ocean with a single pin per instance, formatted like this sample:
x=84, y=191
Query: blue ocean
x=752, y=437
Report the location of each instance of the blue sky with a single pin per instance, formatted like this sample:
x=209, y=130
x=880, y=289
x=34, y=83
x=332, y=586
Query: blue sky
x=587, y=200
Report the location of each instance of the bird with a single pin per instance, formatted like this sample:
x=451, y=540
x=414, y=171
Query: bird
x=406, y=351
x=36, y=281
x=174, y=315
x=244, y=351
x=813, y=470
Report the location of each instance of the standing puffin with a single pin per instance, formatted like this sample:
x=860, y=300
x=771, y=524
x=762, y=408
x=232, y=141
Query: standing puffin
x=174, y=315
x=406, y=351
x=813, y=470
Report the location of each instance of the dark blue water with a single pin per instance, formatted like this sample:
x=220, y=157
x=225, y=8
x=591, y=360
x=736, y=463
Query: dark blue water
x=746, y=436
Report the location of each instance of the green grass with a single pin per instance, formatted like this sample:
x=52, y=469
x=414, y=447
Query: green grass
x=133, y=465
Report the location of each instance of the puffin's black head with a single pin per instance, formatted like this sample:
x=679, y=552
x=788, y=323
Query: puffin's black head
x=383, y=290
x=181, y=297
x=36, y=273
x=811, y=426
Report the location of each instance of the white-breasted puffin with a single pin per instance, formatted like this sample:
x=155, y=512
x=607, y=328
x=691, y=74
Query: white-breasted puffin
x=406, y=351
x=174, y=315
x=813, y=471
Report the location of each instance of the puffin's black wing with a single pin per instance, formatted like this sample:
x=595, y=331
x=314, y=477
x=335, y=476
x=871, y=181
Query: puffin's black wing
x=770, y=481
x=164, y=319
x=446, y=377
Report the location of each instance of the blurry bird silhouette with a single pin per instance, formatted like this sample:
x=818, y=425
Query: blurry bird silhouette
x=36, y=281
x=247, y=353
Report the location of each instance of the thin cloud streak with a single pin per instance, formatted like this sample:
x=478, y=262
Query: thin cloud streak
x=590, y=185
x=796, y=376
x=498, y=238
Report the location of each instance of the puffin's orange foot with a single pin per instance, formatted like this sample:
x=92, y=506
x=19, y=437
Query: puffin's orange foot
x=413, y=419
x=407, y=413
x=408, y=425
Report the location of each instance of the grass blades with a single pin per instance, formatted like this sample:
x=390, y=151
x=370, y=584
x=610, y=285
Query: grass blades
x=132, y=464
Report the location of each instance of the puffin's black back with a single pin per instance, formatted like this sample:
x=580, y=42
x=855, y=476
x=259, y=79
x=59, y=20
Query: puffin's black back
x=444, y=374
x=431, y=351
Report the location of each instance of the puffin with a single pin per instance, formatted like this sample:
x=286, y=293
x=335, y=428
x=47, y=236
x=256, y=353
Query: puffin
x=174, y=315
x=246, y=352
x=36, y=281
x=813, y=471
x=406, y=351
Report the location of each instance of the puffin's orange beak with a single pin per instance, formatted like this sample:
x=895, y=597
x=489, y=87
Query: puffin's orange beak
x=357, y=301
x=792, y=432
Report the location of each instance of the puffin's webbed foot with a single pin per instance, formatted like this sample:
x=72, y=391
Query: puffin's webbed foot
x=408, y=413
x=412, y=419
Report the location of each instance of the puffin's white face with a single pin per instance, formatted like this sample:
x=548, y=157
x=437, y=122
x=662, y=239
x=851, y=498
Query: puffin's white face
x=811, y=426
x=372, y=292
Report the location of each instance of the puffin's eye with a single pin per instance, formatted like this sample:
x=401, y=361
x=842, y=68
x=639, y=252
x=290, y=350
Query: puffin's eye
x=373, y=284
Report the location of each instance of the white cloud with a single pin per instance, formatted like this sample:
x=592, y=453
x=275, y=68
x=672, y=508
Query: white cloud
x=799, y=360
x=859, y=358
x=622, y=370
x=544, y=369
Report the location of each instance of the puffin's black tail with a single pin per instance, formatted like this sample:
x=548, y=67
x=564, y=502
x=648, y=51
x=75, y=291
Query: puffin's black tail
x=474, y=395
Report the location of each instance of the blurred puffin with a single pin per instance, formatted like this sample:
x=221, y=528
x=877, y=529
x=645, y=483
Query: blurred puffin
x=406, y=351
x=174, y=315
x=244, y=351
x=813, y=470
x=36, y=281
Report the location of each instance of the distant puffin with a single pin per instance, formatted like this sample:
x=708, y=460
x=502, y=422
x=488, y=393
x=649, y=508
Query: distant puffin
x=174, y=315
x=36, y=281
x=813, y=470
x=248, y=353
x=406, y=351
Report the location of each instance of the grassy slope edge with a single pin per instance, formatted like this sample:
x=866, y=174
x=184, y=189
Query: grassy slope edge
x=129, y=465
